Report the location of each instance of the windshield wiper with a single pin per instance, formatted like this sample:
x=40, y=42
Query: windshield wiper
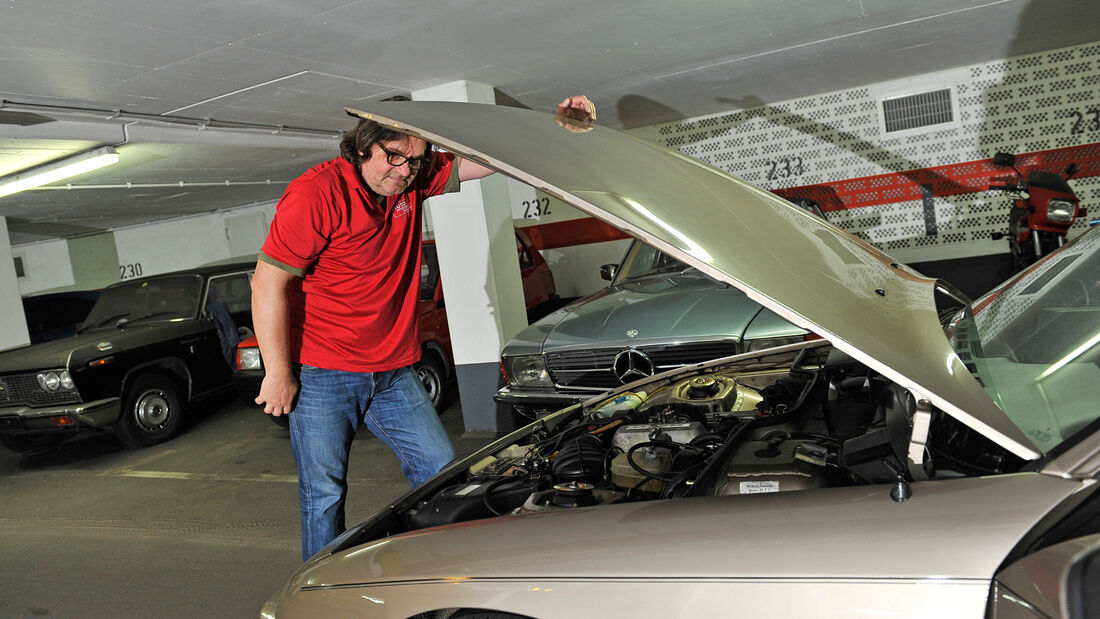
x=104, y=321
x=151, y=315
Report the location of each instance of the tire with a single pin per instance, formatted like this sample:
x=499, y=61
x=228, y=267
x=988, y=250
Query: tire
x=152, y=411
x=431, y=375
x=22, y=443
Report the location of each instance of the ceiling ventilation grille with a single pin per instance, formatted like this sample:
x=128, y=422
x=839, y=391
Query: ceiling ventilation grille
x=919, y=110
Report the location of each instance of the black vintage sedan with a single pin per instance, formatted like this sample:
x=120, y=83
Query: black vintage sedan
x=148, y=348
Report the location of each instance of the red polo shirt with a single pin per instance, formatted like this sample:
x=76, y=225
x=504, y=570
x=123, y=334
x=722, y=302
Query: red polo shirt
x=359, y=262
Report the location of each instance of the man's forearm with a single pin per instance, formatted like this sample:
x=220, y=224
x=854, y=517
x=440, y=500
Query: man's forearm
x=271, y=317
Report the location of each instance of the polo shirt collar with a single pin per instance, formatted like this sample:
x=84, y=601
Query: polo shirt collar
x=351, y=176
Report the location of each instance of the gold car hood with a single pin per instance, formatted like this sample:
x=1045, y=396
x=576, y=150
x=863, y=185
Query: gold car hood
x=800, y=267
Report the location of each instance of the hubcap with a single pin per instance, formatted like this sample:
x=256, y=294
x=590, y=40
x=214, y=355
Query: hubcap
x=430, y=383
x=152, y=410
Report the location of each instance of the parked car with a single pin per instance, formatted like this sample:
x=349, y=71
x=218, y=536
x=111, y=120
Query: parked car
x=436, y=365
x=148, y=348
x=540, y=295
x=901, y=466
x=56, y=315
x=657, y=314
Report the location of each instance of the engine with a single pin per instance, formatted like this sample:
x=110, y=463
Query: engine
x=827, y=422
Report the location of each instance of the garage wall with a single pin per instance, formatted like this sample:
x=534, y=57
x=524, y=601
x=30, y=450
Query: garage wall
x=95, y=261
x=46, y=265
x=1028, y=104
x=13, y=331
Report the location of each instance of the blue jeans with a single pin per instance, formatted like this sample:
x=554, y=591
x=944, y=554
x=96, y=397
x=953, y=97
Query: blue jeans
x=330, y=406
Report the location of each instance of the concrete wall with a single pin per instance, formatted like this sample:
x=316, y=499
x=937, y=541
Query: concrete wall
x=95, y=261
x=13, y=329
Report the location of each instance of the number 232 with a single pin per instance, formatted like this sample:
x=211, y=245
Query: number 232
x=536, y=208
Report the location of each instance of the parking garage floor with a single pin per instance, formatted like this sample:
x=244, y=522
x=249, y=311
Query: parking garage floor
x=205, y=525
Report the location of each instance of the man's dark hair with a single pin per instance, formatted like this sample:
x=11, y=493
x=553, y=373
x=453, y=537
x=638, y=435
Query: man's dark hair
x=366, y=134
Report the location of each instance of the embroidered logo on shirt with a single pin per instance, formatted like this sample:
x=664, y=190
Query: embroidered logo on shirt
x=401, y=209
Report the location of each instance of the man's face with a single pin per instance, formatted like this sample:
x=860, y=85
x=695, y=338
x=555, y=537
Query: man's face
x=390, y=180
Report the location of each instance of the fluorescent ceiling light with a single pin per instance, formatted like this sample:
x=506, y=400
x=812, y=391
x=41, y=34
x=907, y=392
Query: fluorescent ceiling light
x=57, y=170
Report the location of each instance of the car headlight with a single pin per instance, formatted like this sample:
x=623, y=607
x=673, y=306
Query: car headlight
x=773, y=342
x=249, y=359
x=528, y=371
x=1060, y=210
x=55, y=380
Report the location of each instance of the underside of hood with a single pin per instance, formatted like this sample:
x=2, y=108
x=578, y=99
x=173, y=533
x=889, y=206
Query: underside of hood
x=800, y=267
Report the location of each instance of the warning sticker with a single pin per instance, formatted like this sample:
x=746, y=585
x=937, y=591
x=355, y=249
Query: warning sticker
x=467, y=489
x=756, y=487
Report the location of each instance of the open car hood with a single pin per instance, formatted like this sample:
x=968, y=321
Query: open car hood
x=800, y=267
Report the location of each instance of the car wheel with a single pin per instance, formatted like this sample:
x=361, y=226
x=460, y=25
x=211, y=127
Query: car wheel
x=152, y=411
x=430, y=372
x=22, y=443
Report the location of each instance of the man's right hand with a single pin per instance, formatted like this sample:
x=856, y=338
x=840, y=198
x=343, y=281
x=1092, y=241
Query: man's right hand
x=277, y=394
x=271, y=290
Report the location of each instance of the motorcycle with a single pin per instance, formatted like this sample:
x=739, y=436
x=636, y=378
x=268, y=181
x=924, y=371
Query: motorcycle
x=1041, y=214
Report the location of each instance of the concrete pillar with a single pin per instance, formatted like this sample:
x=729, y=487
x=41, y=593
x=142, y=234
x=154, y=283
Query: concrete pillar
x=477, y=262
x=13, y=329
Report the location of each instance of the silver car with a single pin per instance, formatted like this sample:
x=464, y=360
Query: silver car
x=657, y=314
x=916, y=462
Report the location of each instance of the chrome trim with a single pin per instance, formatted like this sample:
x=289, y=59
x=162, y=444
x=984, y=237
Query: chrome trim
x=96, y=413
x=654, y=580
x=506, y=395
x=628, y=343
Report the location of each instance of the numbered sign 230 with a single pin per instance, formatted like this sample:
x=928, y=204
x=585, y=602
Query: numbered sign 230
x=129, y=271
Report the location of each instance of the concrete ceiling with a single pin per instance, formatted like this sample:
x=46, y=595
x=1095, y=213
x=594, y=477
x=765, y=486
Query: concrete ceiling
x=216, y=104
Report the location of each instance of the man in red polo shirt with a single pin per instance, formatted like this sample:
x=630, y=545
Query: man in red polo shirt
x=334, y=297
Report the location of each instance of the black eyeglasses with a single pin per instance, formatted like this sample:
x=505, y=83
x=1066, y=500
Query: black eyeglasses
x=399, y=159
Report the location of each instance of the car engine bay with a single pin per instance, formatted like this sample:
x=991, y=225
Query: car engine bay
x=770, y=424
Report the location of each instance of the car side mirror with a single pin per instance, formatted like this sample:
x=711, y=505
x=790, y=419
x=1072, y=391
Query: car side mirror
x=607, y=271
x=1005, y=160
x=1071, y=169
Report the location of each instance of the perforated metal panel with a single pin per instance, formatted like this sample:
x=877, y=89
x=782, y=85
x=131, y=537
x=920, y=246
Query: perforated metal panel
x=1031, y=103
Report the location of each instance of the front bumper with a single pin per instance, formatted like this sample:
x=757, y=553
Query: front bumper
x=20, y=419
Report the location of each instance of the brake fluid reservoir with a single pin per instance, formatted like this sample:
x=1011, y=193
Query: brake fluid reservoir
x=653, y=459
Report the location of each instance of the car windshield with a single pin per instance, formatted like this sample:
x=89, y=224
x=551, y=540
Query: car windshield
x=1038, y=347
x=642, y=261
x=159, y=299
